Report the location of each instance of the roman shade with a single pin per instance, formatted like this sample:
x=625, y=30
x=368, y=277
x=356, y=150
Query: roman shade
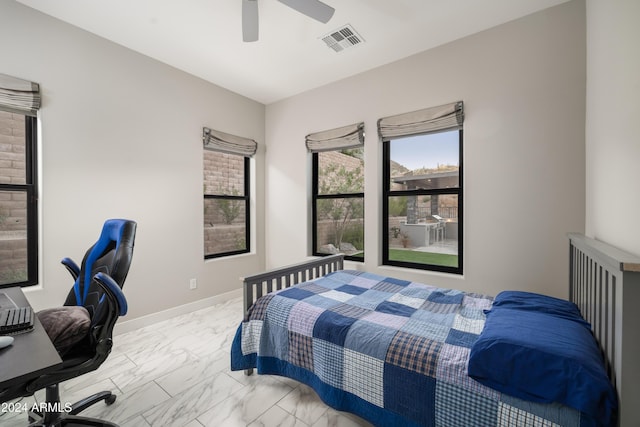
x=336, y=139
x=19, y=96
x=224, y=142
x=434, y=119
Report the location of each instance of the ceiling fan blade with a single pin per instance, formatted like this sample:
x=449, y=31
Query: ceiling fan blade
x=312, y=8
x=249, y=20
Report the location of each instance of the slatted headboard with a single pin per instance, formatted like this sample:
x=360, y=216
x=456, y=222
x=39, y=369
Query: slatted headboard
x=605, y=283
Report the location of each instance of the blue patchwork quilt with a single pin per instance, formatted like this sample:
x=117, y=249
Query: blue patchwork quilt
x=391, y=351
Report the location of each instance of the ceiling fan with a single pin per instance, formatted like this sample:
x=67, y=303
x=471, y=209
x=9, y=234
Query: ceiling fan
x=312, y=8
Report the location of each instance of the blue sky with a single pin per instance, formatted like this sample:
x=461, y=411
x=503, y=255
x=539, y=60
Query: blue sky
x=426, y=151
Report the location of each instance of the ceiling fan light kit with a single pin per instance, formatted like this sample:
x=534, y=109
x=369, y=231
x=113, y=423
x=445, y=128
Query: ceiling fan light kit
x=314, y=9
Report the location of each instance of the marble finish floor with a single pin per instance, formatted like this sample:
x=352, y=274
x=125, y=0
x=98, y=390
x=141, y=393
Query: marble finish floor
x=176, y=373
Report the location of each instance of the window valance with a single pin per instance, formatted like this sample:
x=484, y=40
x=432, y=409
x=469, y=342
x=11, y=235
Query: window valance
x=443, y=117
x=336, y=139
x=19, y=96
x=227, y=143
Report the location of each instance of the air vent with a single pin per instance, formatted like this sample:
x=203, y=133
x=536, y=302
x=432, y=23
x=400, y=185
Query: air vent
x=342, y=38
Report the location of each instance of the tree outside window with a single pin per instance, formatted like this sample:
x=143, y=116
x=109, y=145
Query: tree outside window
x=338, y=206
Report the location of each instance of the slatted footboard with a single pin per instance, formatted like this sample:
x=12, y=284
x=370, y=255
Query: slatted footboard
x=280, y=278
x=260, y=284
x=605, y=283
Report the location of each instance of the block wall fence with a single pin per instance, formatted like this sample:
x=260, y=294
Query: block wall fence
x=13, y=212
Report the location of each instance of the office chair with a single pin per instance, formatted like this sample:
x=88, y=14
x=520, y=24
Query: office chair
x=97, y=288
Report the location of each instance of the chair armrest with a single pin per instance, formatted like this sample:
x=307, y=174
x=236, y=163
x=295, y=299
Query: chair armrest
x=72, y=267
x=112, y=288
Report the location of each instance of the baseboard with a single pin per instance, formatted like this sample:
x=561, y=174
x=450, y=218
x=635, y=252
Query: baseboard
x=150, y=319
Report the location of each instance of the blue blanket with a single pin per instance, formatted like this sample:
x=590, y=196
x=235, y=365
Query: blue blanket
x=393, y=352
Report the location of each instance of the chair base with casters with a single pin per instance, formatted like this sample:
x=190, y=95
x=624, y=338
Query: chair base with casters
x=56, y=413
x=59, y=415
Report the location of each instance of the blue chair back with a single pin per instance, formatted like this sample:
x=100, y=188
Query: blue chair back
x=110, y=255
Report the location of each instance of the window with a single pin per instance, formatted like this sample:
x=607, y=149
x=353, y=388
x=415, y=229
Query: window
x=422, y=189
x=226, y=194
x=337, y=196
x=18, y=200
x=338, y=203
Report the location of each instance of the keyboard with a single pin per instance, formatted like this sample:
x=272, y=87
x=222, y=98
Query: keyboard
x=16, y=320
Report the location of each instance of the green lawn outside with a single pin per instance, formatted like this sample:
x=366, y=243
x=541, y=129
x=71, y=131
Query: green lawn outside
x=420, y=257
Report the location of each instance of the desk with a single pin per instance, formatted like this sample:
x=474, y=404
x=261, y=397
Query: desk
x=30, y=355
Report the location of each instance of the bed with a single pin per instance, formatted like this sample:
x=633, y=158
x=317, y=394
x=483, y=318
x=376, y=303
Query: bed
x=396, y=352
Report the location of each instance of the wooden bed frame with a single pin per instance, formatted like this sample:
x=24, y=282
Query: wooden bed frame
x=603, y=281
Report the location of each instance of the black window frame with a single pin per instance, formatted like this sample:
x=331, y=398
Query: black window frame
x=315, y=197
x=30, y=188
x=387, y=193
x=246, y=198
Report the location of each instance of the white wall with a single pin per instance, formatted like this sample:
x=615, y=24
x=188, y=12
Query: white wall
x=121, y=137
x=612, y=125
x=523, y=84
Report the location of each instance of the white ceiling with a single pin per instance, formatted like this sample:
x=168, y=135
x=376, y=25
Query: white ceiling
x=204, y=37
